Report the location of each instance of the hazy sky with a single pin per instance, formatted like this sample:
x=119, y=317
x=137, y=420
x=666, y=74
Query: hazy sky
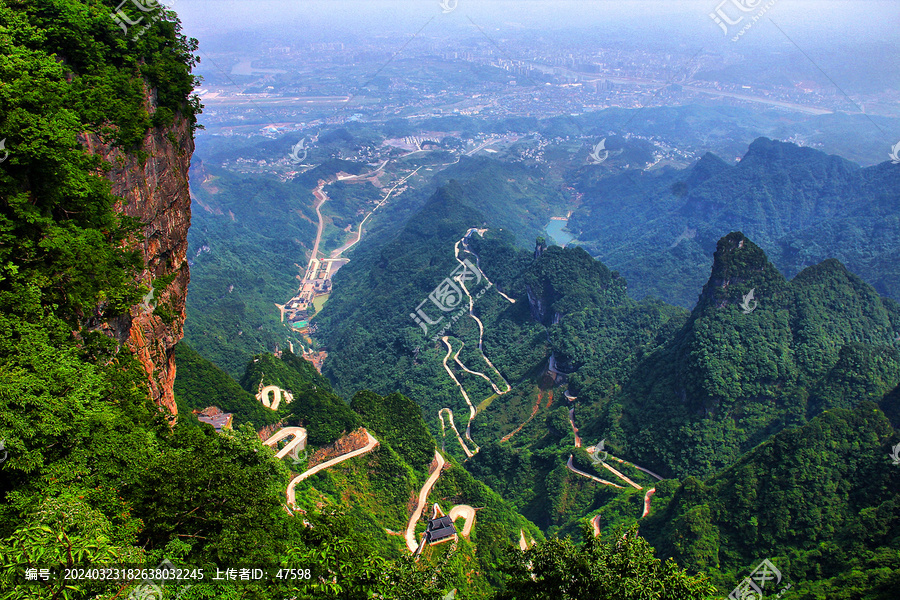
x=854, y=42
x=853, y=19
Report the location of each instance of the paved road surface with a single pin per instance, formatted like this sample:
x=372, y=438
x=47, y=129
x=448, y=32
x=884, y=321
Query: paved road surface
x=330, y=463
x=468, y=453
x=466, y=512
x=523, y=545
x=622, y=477
x=420, y=506
x=589, y=476
x=299, y=440
x=574, y=429
x=647, y=471
x=595, y=523
x=322, y=198
x=337, y=253
x=647, y=497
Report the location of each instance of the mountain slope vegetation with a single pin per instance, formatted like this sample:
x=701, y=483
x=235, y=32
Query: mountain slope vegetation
x=801, y=205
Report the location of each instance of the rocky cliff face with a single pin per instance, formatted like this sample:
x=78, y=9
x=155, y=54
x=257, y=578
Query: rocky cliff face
x=155, y=191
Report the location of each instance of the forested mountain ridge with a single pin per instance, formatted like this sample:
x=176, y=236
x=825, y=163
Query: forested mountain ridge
x=819, y=500
x=365, y=503
x=374, y=343
x=94, y=476
x=801, y=205
x=744, y=367
x=107, y=252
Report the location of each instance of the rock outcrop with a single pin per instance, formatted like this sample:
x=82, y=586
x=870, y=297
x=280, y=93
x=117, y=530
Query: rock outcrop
x=154, y=188
x=356, y=440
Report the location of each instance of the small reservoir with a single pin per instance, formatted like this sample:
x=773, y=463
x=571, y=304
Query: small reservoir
x=556, y=231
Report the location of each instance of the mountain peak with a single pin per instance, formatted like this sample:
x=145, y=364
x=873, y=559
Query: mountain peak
x=707, y=167
x=739, y=266
x=767, y=151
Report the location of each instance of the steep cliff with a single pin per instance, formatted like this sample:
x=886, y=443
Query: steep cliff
x=97, y=122
x=155, y=191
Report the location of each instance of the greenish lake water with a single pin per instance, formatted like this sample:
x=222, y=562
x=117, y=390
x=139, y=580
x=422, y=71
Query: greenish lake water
x=555, y=230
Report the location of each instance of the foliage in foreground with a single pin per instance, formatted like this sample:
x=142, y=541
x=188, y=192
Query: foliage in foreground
x=623, y=568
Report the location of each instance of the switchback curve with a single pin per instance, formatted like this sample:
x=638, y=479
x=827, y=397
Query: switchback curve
x=410, y=534
x=330, y=463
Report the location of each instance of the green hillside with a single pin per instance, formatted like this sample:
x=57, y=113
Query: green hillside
x=727, y=380
x=819, y=501
x=201, y=384
x=800, y=205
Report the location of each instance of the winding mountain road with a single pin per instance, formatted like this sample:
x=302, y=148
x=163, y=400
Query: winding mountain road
x=462, y=391
x=621, y=476
x=410, y=534
x=647, y=497
x=445, y=339
x=478, y=373
x=277, y=395
x=465, y=242
x=291, y=498
x=574, y=429
x=523, y=543
x=337, y=253
x=299, y=441
x=466, y=512
x=322, y=197
x=466, y=451
x=595, y=523
x=647, y=471
x=589, y=476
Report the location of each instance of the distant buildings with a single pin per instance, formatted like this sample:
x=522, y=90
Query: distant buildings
x=214, y=416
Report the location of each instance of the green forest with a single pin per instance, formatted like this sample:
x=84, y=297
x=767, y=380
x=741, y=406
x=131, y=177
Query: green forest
x=612, y=436
x=688, y=395
x=801, y=205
